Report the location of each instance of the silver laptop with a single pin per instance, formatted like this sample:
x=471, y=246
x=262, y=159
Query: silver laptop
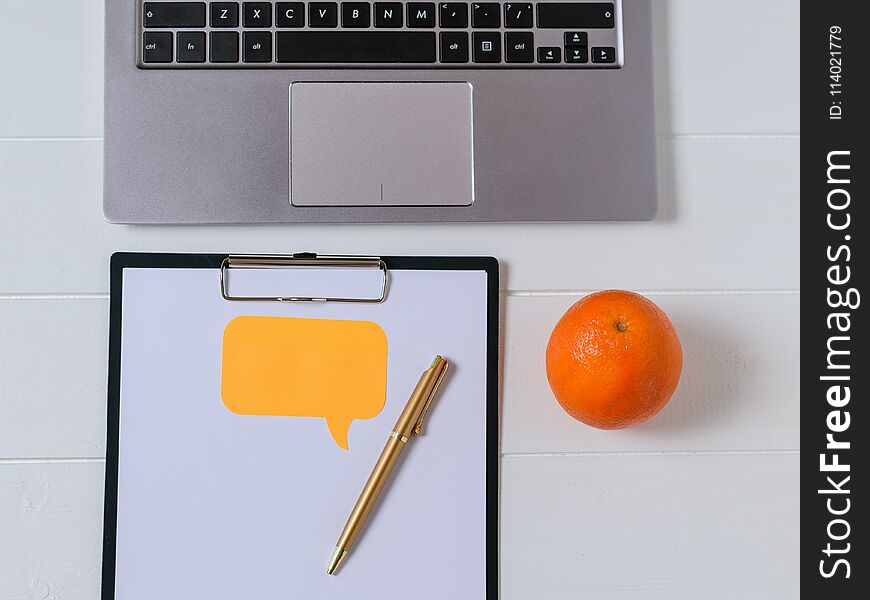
x=241, y=112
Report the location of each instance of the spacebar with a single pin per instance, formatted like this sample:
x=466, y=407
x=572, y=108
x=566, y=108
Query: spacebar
x=355, y=47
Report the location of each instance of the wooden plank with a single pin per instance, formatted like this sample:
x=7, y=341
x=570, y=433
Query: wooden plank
x=739, y=389
x=628, y=527
x=727, y=67
x=730, y=220
x=707, y=80
x=51, y=58
x=51, y=524
x=738, y=392
x=53, y=357
x=650, y=527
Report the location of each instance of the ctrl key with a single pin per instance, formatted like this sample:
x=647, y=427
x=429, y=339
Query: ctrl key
x=157, y=47
x=519, y=47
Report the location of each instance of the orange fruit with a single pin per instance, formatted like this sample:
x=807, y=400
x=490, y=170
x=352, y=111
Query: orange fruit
x=614, y=359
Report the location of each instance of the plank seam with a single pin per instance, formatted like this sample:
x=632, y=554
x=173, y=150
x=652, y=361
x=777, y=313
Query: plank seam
x=520, y=293
x=672, y=136
x=791, y=452
x=658, y=292
x=54, y=296
x=50, y=461
x=82, y=460
x=731, y=136
x=51, y=139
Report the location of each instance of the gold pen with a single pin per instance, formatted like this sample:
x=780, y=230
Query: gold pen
x=409, y=424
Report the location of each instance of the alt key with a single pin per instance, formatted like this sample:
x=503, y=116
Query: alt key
x=454, y=47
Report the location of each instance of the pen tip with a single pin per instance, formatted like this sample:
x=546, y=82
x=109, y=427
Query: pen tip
x=438, y=358
x=334, y=562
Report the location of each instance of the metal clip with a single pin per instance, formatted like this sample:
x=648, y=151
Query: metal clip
x=302, y=259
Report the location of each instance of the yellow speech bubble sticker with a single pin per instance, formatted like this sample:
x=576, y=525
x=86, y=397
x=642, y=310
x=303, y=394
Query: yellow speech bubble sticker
x=288, y=367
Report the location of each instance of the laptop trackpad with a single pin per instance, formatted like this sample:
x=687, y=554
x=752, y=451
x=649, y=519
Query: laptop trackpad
x=381, y=144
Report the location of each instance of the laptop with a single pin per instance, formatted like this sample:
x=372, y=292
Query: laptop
x=250, y=112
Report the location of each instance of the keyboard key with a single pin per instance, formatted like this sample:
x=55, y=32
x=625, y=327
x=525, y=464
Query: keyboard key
x=190, y=47
x=486, y=15
x=157, y=47
x=576, y=54
x=223, y=46
x=378, y=45
x=549, y=55
x=175, y=14
x=575, y=15
x=257, y=47
x=421, y=14
x=290, y=14
x=454, y=47
x=355, y=46
x=322, y=14
x=604, y=55
x=454, y=15
x=518, y=16
x=519, y=47
x=576, y=38
x=257, y=14
x=355, y=14
x=224, y=14
x=486, y=47
x=388, y=14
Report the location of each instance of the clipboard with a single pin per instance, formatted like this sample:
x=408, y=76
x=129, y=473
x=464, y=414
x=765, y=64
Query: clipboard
x=201, y=501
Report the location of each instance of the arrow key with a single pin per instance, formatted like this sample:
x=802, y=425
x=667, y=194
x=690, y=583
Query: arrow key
x=576, y=55
x=547, y=54
x=605, y=54
x=575, y=39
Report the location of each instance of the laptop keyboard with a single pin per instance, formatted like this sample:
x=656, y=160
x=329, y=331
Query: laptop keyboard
x=238, y=35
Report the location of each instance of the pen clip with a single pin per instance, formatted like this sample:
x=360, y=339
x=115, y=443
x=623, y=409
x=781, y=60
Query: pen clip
x=419, y=425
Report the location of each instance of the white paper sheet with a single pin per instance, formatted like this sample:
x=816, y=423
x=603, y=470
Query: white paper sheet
x=220, y=506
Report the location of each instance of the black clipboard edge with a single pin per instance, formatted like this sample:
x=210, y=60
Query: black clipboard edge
x=147, y=260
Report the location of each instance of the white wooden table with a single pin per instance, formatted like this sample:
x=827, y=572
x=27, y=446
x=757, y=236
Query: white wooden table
x=701, y=502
